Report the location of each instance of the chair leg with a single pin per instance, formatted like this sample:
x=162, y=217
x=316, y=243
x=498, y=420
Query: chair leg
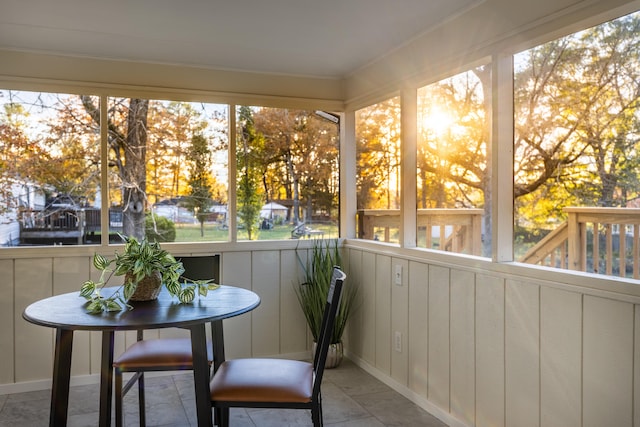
x=141, y=403
x=316, y=413
x=221, y=416
x=118, y=397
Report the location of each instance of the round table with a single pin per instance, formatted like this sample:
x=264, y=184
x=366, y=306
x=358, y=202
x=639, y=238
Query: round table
x=67, y=313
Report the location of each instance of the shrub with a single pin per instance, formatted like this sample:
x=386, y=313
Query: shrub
x=159, y=228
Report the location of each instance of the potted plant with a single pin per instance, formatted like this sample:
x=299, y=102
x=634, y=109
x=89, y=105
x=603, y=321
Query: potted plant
x=146, y=267
x=312, y=295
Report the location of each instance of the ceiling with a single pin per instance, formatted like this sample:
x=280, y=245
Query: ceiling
x=330, y=39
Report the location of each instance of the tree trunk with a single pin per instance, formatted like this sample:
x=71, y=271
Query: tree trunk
x=296, y=189
x=135, y=169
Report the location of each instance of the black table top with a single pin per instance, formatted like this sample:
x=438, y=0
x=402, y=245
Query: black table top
x=68, y=311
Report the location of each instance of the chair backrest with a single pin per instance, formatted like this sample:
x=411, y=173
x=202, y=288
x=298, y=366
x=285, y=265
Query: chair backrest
x=328, y=321
x=201, y=267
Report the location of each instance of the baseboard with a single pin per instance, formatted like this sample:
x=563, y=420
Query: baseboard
x=419, y=400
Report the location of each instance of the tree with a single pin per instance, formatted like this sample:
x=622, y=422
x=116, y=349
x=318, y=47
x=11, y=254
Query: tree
x=577, y=122
x=127, y=139
x=249, y=194
x=299, y=159
x=172, y=126
x=58, y=155
x=14, y=145
x=200, y=180
x=453, y=156
x=378, y=156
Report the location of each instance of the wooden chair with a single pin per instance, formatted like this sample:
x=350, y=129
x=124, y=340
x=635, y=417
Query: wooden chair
x=277, y=383
x=163, y=354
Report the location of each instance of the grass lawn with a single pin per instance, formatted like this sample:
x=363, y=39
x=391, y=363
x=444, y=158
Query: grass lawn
x=213, y=233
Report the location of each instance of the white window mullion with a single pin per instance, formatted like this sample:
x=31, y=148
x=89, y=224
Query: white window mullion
x=348, y=193
x=409, y=164
x=232, y=210
x=502, y=158
x=104, y=171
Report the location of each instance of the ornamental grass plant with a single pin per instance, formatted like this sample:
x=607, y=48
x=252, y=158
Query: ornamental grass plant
x=312, y=293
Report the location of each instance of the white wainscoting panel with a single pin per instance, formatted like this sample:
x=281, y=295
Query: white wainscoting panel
x=236, y=271
x=265, y=331
x=400, y=323
x=369, y=314
x=490, y=351
x=418, y=339
x=439, y=334
x=33, y=281
x=7, y=319
x=383, y=313
x=293, y=329
x=560, y=357
x=522, y=355
x=463, y=373
x=352, y=263
x=608, y=362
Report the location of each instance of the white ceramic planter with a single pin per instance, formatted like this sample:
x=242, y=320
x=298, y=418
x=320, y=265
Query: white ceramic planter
x=334, y=355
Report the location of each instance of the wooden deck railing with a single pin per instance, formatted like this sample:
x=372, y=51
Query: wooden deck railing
x=453, y=230
x=597, y=240
x=65, y=223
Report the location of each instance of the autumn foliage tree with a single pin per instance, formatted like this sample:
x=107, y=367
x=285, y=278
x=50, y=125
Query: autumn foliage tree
x=299, y=159
x=577, y=121
x=378, y=140
x=200, y=181
x=250, y=196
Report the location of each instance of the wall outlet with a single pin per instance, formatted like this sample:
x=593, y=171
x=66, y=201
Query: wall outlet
x=397, y=341
x=397, y=276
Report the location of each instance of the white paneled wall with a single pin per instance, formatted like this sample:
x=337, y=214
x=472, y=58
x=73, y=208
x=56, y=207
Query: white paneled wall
x=276, y=327
x=7, y=320
x=490, y=347
x=560, y=355
x=474, y=343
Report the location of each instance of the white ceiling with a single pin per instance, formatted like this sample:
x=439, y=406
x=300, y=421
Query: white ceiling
x=330, y=38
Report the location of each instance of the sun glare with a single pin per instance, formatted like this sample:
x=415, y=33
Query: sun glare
x=437, y=121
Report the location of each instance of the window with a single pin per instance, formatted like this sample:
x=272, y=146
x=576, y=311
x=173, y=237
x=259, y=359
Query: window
x=167, y=169
x=287, y=174
x=576, y=157
x=378, y=171
x=49, y=168
x=453, y=179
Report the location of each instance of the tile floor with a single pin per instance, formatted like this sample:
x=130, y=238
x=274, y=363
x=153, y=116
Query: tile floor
x=352, y=398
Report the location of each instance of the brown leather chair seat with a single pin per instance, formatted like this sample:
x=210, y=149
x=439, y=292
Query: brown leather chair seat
x=165, y=353
x=277, y=383
x=263, y=380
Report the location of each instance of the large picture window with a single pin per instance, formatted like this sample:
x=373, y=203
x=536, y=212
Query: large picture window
x=49, y=169
x=287, y=174
x=453, y=177
x=577, y=126
x=378, y=171
x=168, y=171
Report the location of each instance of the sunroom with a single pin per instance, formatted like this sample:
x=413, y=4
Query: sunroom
x=476, y=161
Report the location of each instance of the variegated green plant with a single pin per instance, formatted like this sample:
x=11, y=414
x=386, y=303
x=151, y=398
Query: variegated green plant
x=140, y=258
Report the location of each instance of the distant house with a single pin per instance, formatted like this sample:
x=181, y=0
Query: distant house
x=25, y=199
x=273, y=211
x=172, y=210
